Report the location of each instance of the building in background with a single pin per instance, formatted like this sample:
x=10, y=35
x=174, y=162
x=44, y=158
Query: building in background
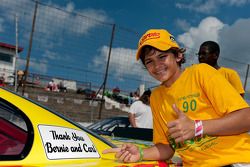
x=7, y=61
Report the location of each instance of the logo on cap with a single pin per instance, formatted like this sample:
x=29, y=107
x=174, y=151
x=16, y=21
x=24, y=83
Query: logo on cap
x=172, y=38
x=152, y=35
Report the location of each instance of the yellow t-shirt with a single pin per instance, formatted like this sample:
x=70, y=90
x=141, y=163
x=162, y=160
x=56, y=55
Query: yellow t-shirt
x=233, y=77
x=202, y=94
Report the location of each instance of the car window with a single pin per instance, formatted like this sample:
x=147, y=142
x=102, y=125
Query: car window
x=109, y=124
x=116, y=123
x=14, y=134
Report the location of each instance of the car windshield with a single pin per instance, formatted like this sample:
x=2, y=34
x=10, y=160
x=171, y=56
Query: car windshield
x=109, y=124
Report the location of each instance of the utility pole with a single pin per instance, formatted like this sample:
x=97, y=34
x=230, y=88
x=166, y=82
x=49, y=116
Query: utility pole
x=107, y=69
x=245, y=84
x=26, y=72
x=16, y=56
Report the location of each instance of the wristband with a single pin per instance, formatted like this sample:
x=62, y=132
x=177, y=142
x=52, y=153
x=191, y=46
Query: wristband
x=141, y=154
x=198, y=128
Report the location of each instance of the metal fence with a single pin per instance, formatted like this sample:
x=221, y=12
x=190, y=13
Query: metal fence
x=60, y=43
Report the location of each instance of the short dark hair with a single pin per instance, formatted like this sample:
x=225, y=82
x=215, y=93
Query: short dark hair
x=150, y=50
x=145, y=96
x=213, y=47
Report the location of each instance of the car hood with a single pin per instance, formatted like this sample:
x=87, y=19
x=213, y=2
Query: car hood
x=97, y=163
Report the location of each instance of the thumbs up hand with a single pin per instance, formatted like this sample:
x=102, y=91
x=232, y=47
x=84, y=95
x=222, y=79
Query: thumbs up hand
x=181, y=129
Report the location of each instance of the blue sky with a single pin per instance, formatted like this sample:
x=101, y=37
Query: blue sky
x=176, y=16
x=191, y=22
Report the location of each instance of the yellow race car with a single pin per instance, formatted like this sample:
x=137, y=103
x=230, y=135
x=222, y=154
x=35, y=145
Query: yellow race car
x=32, y=135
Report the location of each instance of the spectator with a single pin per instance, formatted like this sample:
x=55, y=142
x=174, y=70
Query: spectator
x=61, y=87
x=140, y=115
x=20, y=75
x=209, y=53
x=116, y=91
x=130, y=98
x=115, y=94
x=52, y=86
x=37, y=80
x=2, y=81
x=136, y=96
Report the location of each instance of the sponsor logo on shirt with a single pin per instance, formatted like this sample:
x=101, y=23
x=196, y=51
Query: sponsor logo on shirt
x=194, y=144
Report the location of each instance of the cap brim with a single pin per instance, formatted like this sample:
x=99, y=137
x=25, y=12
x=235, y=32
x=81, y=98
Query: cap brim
x=162, y=47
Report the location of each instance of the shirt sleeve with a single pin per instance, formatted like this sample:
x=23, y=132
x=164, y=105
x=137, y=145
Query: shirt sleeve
x=236, y=82
x=133, y=108
x=222, y=95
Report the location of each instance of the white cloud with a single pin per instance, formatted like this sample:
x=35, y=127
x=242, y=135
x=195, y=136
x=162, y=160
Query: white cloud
x=50, y=55
x=235, y=2
x=40, y=67
x=182, y=24
x=1, y=25
x=233, y=39
x=208, y=29
x=51, y=22
x=199, y=6
x=70, y=7
x=10, y=9
x=117, y=64
x=122, y=63
x=78, y=23
x=211, y=6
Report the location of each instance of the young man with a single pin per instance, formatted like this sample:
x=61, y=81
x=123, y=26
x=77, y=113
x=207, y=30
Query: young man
x=209, y=53
x=196, y=112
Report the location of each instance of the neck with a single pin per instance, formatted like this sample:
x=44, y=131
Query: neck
x=216, y=66
x=174, y=77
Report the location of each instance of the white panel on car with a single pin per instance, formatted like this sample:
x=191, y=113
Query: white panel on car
x=66, y=143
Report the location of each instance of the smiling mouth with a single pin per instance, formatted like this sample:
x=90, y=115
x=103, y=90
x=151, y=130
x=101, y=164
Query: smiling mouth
x=160, y=72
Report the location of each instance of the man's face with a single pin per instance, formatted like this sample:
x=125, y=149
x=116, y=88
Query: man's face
x=205, y=56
